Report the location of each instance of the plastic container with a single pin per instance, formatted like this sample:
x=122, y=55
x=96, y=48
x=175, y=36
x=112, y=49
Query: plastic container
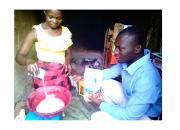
x=92, y=81
x=55, y=92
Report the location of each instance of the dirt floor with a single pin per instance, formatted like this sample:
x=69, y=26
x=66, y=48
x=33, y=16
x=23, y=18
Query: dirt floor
x=79, y=109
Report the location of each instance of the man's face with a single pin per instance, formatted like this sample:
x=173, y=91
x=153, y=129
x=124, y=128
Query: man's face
x=53, y=18
x=125, y=48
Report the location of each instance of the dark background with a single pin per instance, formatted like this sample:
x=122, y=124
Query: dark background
x=88, y=27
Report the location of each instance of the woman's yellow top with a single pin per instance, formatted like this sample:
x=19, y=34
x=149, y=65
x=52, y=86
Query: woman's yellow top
x=52, y=48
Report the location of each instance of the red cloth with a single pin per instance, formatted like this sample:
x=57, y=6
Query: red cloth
x=55, y=75
x=111, y=58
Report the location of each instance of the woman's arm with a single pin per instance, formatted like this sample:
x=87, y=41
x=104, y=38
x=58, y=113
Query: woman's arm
x=21, y=56
x=68, y=56
x=68, y=60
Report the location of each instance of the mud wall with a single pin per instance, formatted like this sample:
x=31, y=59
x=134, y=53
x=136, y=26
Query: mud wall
x=23, y=22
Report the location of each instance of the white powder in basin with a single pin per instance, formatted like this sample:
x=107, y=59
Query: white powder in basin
x=49, y=105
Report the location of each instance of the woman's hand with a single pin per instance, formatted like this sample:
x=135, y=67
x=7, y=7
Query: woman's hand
x=68, y=69
x=32, y=69
x=77, y=77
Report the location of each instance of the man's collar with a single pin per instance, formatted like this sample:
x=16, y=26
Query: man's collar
x=137, y=64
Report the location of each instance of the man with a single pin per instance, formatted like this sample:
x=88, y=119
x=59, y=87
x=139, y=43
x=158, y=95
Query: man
x=141, y=94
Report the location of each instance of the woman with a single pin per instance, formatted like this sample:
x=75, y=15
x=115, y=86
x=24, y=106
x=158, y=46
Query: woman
x=53, y=45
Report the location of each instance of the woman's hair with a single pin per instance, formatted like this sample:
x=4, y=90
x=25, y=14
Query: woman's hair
x=53, y=9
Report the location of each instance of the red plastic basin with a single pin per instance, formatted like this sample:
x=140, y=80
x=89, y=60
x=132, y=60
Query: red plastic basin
x=38, y=95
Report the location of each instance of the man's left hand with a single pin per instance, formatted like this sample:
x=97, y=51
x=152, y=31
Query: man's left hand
x=96, y=98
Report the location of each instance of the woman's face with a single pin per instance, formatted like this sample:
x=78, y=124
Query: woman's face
x=53, y=18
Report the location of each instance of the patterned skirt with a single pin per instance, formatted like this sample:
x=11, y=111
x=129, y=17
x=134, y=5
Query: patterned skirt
x=55, y=75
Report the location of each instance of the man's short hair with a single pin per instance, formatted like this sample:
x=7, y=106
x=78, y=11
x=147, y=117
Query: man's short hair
x=138, y=33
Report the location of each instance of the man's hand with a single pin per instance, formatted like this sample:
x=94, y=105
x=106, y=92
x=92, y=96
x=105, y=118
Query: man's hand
x=95, y=97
